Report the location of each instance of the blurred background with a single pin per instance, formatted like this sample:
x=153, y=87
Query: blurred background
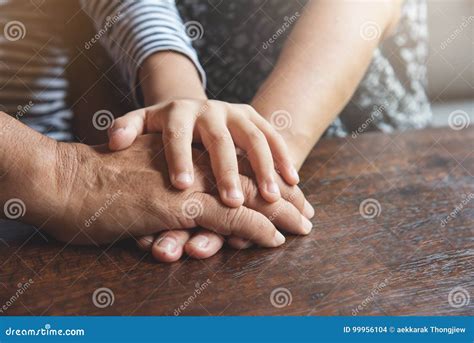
x=451, y=60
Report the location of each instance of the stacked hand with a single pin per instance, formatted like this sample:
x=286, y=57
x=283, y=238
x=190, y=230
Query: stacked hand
x=218, y=125
x=103, y=196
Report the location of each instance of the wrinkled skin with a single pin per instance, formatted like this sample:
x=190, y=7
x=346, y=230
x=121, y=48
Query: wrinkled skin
x=129, y=192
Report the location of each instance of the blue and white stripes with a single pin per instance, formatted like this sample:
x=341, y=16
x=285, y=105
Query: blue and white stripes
x=139, y=29
x=33, y=56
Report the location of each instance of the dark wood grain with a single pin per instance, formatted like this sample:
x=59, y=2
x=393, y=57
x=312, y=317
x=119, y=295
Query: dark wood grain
x=402, y=262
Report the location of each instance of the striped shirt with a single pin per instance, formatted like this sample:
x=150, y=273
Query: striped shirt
x=33, y=57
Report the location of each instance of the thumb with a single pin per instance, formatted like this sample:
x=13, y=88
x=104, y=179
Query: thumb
x=125, y=130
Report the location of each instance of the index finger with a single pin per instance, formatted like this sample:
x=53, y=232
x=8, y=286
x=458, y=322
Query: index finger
x=241, y=221
x=292, y=194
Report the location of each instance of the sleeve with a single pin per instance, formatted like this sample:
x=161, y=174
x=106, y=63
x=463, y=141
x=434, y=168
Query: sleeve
x=132, y=30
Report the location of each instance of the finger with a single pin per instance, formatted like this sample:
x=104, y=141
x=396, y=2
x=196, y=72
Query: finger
x=145, y=243
x=125, y=130
x=239, y=243
x=293, y=194
x=308, y=210
x=204, y=244
x=282, y=213
x=248, y=137
x=218, y=142
x=241, y=221
x=168, y=246
x=177, y=139
x=279, y=148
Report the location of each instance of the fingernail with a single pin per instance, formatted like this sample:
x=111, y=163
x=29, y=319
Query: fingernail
x=308, y=210
x=116, y=130
x=201, y=241
x=184, y=178
x=294, y=173
x=307, y=225
x=272, y=187
x=278, y=239
x=148, y=240
x=168, y=244
x=234, y=193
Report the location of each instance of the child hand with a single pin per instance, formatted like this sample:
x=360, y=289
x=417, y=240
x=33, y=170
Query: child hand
x=218, y=125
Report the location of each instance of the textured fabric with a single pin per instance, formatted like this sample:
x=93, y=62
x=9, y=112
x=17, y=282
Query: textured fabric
x=32, y=61
x=242, y=40
x=33, y=54
x=235, y=45
x=136, y=30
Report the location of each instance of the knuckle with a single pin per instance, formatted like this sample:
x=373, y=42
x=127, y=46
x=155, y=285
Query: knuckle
x=174, y=104
x=293, y=195
x=210, y=106
x=203, y=108
x=255, y=135
x=227, y=173
x=248, y=109
x=249, y=188
x=235, y=219
x=178, y=104
x=219, y=136
x=173, y=133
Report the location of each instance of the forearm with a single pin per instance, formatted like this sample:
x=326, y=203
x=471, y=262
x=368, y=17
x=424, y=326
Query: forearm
x=323, y=61
x=27, y=165
x=169, y=75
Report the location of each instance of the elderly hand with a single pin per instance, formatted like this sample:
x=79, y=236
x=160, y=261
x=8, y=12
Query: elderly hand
x=101, y=196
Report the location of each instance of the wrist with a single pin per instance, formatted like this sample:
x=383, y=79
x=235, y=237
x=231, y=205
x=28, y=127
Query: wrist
x=26, y=172
x=168, y=75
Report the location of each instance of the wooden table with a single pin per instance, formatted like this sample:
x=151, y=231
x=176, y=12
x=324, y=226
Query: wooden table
x=403, y=261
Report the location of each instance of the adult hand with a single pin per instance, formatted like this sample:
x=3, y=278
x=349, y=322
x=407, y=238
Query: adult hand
x=103, y=196
x=169, y=246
